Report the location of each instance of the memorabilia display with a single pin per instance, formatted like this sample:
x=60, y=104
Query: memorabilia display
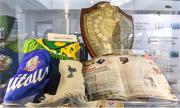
x=30, y=79
x=100, y=63
x=71, y=85
x=60, y=50
x=125, y=77
x=8, y=67
x=106, y=29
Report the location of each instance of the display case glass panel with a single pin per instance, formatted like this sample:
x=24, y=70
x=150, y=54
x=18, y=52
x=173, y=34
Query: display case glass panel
x=156, y=33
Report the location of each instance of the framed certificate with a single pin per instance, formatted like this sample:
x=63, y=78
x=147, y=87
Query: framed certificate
x=106, y=29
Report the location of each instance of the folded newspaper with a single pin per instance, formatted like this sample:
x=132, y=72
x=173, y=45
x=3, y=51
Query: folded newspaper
x=125, y=77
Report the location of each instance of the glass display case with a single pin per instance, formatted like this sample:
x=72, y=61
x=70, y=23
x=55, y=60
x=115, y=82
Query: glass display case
x=156, y=26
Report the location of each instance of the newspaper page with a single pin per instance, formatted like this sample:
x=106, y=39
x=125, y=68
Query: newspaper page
x=144, y=79
x=103, y=79
x=125, y=77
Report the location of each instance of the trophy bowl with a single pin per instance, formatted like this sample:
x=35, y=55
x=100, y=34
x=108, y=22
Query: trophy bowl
x=106, y=29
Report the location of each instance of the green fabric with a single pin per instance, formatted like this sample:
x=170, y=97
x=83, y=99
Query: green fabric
x=61, y=50
x=58, y=50
x=31, y=45
x=51, y=45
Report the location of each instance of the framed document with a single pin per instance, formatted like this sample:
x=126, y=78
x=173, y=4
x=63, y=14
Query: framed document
x=106, y=29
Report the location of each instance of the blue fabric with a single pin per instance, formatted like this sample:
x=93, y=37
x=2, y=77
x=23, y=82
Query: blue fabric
x=31, y=77
x=6, y=74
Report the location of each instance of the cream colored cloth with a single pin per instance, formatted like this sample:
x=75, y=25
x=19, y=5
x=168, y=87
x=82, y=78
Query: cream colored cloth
x=71, y=88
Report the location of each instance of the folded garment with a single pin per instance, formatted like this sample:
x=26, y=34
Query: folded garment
x=8, y=67
x=8, y=64
x=71, y=88
x=60, y=50
x=30, y=45
x=30, y=79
